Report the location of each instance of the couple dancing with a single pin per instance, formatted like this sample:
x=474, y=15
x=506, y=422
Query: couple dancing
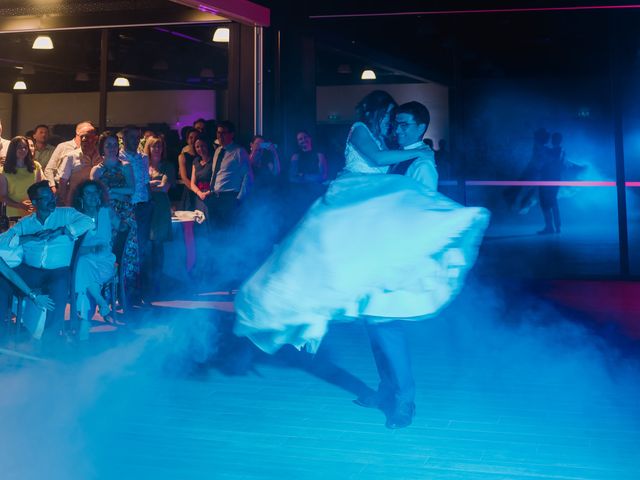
x=376, y=246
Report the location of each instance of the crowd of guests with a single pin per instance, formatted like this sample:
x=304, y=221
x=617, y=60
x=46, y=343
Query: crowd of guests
x=112, y=190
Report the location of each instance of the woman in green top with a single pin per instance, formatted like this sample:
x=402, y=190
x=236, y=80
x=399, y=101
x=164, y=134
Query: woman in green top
x=16, y=175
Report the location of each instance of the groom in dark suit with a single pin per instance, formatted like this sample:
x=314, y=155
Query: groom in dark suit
x=396, y=391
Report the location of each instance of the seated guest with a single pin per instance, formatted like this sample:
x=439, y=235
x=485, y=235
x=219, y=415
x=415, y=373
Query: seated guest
x=117, y=177
x=96, y=262
x=10, y=258
x=76, y=167
x=162, y=177
x=47, y=238
x=17, y=174
x=201, y=174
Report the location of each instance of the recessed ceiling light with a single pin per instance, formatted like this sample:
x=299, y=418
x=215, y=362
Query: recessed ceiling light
x=43, y=42
x=221, y=35
x=368, y=75
x=121, y=82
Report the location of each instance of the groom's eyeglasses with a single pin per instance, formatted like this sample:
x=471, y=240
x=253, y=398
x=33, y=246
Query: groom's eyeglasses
x=403, y=125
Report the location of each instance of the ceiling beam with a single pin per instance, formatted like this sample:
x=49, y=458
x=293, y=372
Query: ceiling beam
x=135, y=16
x=241, y=11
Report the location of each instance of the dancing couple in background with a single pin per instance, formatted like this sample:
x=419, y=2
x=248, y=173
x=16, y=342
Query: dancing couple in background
x=375, y=246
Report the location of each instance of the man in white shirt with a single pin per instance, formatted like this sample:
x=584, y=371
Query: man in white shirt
x=4, y=145
x=61, y=152
x=411, y=121
x=396, y=391
x=47, y=238
x=230, y=179
x=76, y=167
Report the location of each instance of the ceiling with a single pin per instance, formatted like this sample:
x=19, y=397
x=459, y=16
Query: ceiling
x=406, y=41
x=152, y=58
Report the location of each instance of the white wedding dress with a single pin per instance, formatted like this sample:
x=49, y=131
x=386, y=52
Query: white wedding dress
x=375, y=245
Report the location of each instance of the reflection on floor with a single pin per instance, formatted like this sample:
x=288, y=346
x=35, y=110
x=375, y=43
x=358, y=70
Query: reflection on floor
x=508, y=386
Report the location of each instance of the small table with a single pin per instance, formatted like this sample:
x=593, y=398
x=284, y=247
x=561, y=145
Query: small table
x=180, y=253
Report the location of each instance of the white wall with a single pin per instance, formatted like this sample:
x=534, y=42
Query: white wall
x=174, y=107
x=5, y=114
x=336, y=104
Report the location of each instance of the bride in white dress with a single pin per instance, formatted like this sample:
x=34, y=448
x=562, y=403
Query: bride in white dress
x=375, y=245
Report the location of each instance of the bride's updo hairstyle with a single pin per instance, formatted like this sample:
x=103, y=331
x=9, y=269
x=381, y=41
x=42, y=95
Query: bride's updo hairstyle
x=372, y=109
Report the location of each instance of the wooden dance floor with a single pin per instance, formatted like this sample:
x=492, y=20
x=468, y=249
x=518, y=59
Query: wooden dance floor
x=509, y=386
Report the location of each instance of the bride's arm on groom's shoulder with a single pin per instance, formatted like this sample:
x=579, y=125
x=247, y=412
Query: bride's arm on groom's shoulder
x=363, y=143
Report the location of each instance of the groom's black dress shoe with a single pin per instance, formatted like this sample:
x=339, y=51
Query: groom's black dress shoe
x=373, y=400
x=401, y=416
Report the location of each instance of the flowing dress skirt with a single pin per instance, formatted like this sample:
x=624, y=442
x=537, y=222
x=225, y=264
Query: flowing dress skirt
x=375, y=245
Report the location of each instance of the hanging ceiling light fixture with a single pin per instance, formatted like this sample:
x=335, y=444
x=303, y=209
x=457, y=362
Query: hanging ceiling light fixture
x=20, y=85
x=121, y=82
x=368, y=75
x=43, y=42
x=221, y=35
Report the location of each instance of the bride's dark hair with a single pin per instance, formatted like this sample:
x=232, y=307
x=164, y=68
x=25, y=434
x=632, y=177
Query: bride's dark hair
x=372, y=108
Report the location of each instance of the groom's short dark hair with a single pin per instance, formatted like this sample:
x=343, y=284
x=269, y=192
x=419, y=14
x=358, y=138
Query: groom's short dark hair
x=417, y=110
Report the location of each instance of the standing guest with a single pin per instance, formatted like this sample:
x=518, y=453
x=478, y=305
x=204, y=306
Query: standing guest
x=4, y=145
x=162, y=177
x=307, y=164
x=143, y=141
x=47, y=238
x=32, y=146
x=117, y=177
x=43, y=149
x=18, y=173
x=269, y=167
x=141, y=200
x=443, y=160
x=200, y=125
x=76, y=167
x=201, y=172
x=551, y=170
x=307, y=173
x=185, y=164
x=231, y=178
x=61, y=152
x=96, y=261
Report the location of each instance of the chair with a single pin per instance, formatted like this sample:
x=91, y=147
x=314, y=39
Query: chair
x=20, y=305
x=116, y=284
x=73, y=316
